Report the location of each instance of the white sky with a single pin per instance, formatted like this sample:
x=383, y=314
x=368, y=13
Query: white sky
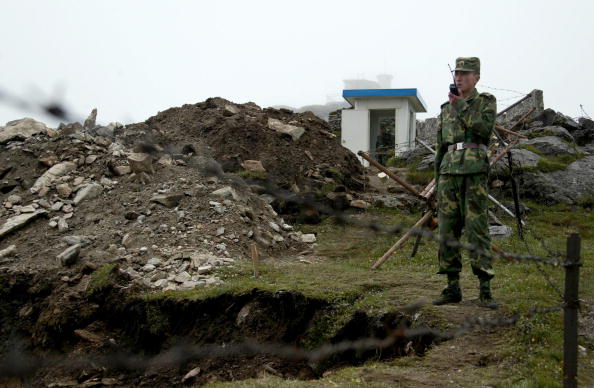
x=131, y=59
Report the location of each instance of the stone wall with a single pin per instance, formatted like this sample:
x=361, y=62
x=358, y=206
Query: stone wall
x=334, y=119
x=513, y=112
x=426, y=130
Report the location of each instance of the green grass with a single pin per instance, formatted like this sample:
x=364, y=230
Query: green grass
x=100, y=278
x=529, y=354
x=551, y=164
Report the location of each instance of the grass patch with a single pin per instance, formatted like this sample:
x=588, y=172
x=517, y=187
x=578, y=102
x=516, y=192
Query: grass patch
x=420, y=177
x=528, y=354
x=551, y=164
x=100, y=278
x=546, y=132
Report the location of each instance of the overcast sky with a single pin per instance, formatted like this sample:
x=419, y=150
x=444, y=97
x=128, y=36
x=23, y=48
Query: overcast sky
x=131, y=59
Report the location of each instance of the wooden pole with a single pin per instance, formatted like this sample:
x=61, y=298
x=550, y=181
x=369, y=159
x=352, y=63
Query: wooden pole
x=501, y=129
x=255, y=259
x=426, y=217
x=389, y=173
x=570, y=312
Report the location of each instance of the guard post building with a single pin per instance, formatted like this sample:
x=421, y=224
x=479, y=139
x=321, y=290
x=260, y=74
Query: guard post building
x=380, y=121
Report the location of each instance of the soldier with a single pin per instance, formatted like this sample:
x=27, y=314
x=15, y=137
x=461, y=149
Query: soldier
x=461, y=169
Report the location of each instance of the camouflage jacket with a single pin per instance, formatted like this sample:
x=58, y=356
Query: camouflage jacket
x=470, y=121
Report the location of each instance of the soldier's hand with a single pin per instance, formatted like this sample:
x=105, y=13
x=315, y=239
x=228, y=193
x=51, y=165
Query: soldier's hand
x=453, y=98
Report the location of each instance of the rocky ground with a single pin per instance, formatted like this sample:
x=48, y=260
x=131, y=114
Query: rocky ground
x=159, y=197
x=554, y=164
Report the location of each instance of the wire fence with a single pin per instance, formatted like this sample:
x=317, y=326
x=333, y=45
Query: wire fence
x=179, y=355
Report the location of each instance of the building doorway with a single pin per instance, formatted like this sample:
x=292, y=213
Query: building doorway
x=382, y=131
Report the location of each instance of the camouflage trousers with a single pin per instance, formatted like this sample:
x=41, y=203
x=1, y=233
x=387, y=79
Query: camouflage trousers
x=463, y=201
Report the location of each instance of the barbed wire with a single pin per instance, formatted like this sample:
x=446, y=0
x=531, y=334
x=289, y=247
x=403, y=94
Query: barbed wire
x=505, y=90
x=584, y=112
x=20, y=364
x=53, y=108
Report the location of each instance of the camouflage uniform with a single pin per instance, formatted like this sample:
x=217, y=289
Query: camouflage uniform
x=462, y=182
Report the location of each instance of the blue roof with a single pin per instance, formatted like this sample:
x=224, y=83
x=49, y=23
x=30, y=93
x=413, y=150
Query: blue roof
x=363, y=93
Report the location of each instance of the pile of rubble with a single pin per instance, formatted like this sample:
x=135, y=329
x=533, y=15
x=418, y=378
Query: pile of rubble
x=86, y=195
x=295, y=151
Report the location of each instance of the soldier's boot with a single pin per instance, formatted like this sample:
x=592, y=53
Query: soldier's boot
x=452, y=293
x=485, y=297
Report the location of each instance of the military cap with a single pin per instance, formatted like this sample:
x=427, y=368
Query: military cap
x=468, y=64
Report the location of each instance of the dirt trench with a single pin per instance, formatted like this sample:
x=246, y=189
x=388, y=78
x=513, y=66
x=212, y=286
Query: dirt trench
x=107, y=335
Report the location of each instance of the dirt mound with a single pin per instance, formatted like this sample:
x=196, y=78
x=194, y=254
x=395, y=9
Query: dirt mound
x=72, y=198
x=297, y=150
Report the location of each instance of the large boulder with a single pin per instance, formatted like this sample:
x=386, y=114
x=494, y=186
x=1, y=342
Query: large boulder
x=550, y=145
x=553, y=130
x=550, y=117
x=585, y=134
x=21, y=130
x=520, y=158
x=566, y=186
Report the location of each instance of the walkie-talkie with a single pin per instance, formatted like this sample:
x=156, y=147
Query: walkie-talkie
x=453, y=87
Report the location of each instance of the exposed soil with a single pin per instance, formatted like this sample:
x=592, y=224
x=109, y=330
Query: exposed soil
x=59, y=335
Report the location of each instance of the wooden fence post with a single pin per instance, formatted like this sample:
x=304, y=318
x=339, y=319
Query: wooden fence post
x=570, y=315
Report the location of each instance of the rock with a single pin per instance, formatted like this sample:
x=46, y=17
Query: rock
x=122, y=170
x=90, y=122
x=253, y=165
x=554, y=130
x=550, y=145
x=277, y=237
x=14, y=199
x=67, y=208
x=426, y=163
x=274, y=226
x=17, y=222
x=500, y=231
x=148, y=267
x=21, y=130
x=189, y=284
x=226, y=192
x=161, y=283
x=286, y=227
x=232, y=109
x=566, y=186
x=360, y=204
x=308, y=238
x=219, y=208
x=388, y=201
x=25, y=209
x=77, y=240
x=69, y=256
x=91, y=159
x=194, y=372
x=520, y=158
x=204, y=269
x=105, y=132
x=199, y=259
x=182, y=277
x=51, y=175
x=291, y=130
x=155, y=261
x=87, y=192
x=78, y=181
x=64, y=190
x=220, y=231
x=62, y=225
x=7, y=252
x=168, y=200
x=140, y=162
x=48, y=160
x=585, y=133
